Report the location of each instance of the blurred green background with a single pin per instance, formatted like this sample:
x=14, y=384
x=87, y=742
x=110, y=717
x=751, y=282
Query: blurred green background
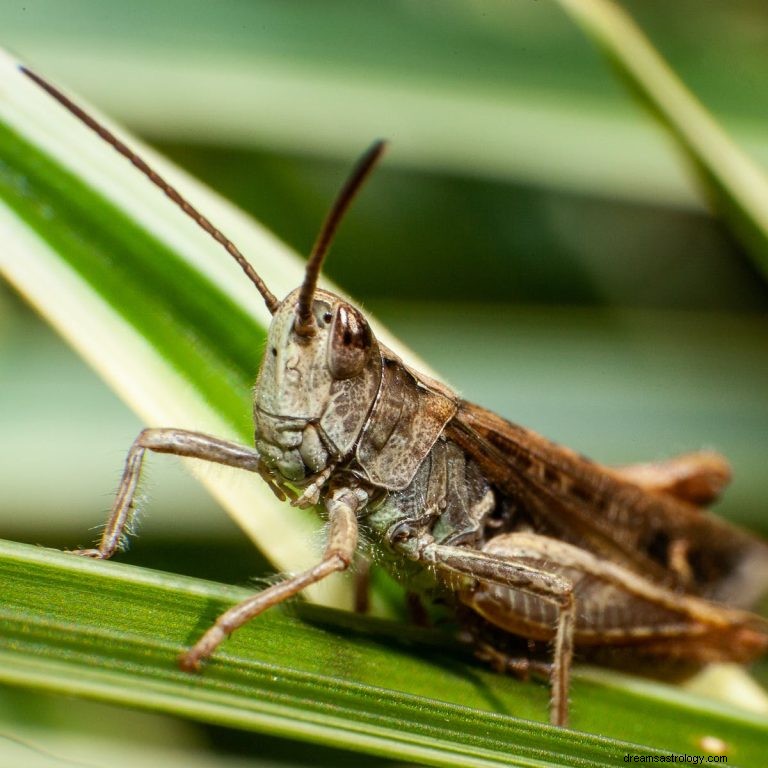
x=532, y=234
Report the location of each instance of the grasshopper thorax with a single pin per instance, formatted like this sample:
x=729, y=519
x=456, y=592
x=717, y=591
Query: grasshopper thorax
x=316, y=385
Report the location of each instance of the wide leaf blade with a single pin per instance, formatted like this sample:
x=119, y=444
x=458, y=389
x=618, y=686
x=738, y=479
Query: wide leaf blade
x=112, y=632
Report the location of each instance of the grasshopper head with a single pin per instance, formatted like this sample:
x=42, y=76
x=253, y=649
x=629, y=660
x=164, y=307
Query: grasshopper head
x=321, y=369
x=316, y=385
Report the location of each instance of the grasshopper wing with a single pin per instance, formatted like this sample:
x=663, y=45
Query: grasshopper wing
x=558, y=493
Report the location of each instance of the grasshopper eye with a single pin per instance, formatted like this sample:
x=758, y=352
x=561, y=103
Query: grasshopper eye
x=350, y=344
x=322, y=312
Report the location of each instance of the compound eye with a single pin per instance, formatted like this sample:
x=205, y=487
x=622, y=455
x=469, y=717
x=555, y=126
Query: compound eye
x=351, y=343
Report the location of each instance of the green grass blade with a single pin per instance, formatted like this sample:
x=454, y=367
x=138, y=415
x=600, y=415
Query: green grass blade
x=525, y=99
x=112, y=632
x=739, y=188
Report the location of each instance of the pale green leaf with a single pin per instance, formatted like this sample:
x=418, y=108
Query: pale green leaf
x=738, y=186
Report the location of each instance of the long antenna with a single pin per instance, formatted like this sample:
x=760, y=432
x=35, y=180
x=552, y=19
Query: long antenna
x=305, y=325
x=269, y=298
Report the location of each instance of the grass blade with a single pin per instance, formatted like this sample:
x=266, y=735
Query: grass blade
x=112, y=632
x=738, y=187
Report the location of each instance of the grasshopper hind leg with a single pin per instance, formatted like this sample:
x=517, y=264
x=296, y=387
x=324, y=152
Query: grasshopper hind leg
x=505, y=653
x=521, y=667
x=697, y=478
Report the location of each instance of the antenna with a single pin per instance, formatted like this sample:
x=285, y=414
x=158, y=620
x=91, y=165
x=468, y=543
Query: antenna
x=269, y=298
x=305, y=325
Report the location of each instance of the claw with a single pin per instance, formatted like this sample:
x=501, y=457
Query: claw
x=94, y=554
x=189, y=661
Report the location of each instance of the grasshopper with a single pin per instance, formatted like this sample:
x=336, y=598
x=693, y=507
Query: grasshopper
x=543, y=554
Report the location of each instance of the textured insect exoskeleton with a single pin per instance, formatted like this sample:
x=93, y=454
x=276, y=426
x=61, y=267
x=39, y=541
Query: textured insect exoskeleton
x=542, y=553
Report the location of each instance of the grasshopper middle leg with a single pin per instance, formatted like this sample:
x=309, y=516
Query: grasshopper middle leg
x=340, y=549
x=545, y=585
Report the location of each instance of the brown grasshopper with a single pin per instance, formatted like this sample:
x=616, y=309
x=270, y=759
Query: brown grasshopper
x=533, y=545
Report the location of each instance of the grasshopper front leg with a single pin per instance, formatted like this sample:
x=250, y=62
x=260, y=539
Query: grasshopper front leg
x=548, y=586
x=342, y=507
x=179, y=442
